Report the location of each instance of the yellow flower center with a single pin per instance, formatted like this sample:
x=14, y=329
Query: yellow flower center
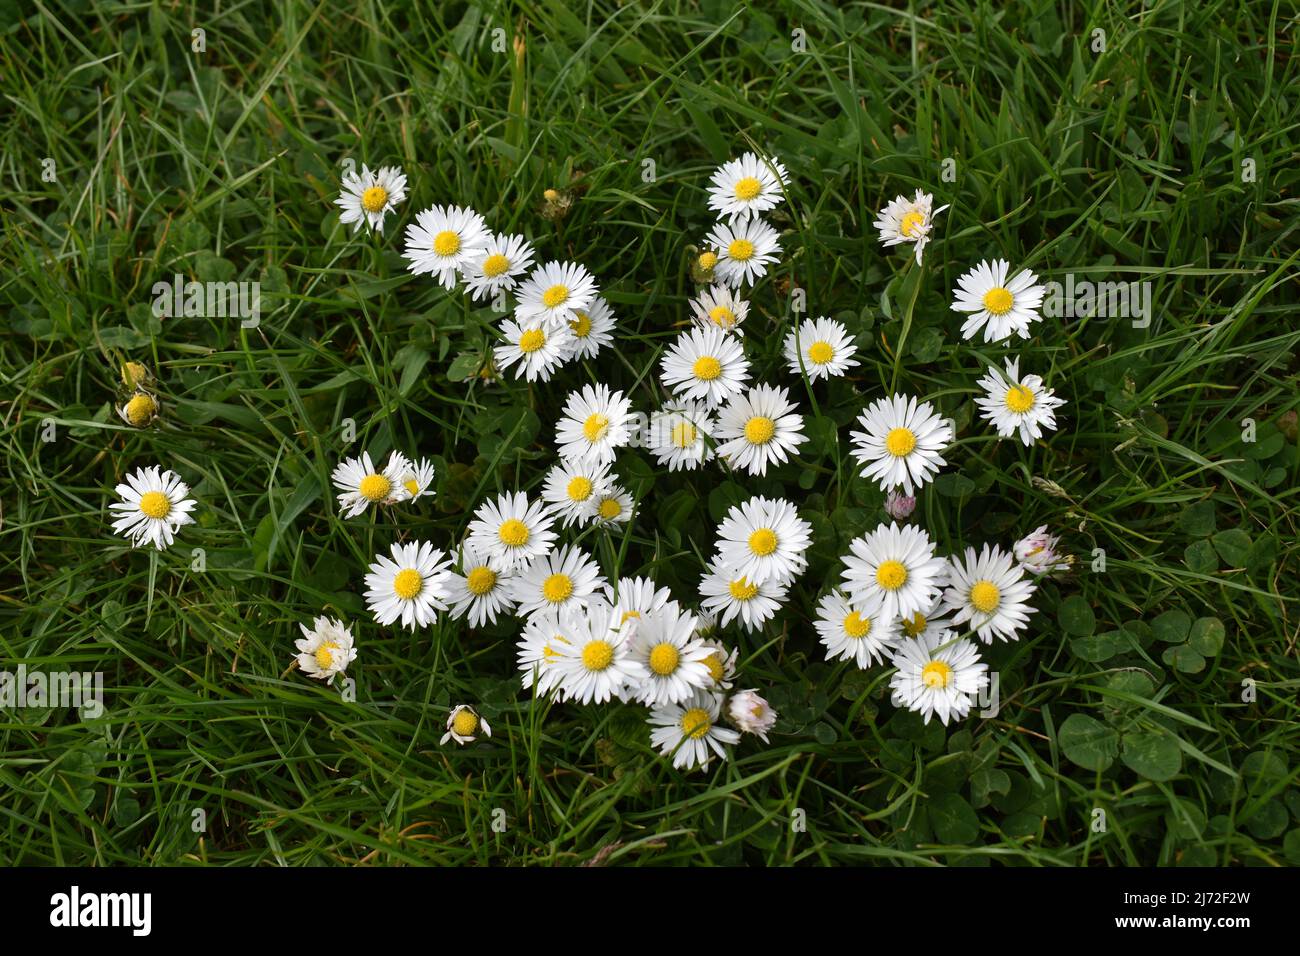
x=912, y=626
x=748, y=188
x=911, y=223
x=155, y=504
x=900, y=442
x=984, y=596
x=714, y=663
x=763, y=542
x=555, y=295
x=513, y=533
x=581, y=325
x=375, y=487
x=759, y=430
x=557, y=588
x=465, y=722
x=856, y=626
x=610, y=509
x=531, y=341
x=407, y=583
x=140, y=409
x=133, y=374
x=481, y=580
x=550, y=195
x=446, y=243
x=684, y=434
x=373, y=199
x=998, y=301
x=595, y=427
x=696, y=723
x=722, y=317
x=936, y=674
x=629, y=615
x=324, y=657
x=742, y=590
x=412, y=486
x=706, y=368
x=495, y=265
x=741, y=250
x=708, y=260
x=1019, y=399
x=579, y=488
x=820, y=353
x=891, y=575
x=663, y=659
x=597, y=655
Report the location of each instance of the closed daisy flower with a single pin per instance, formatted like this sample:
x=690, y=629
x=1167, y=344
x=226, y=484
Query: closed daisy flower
x=721, y=661
x=990, y=590
x=938, y=676
x=361, y=484
x=412, y=586
x=534, y=349
x=597, y=663
x=894, y=568
x=497, y=266
x=732, y=595
x=480, y=590
x=995, y=304
x=679, y=435
x=613, y=507
x=596, y=422
x=764, y=538
x=663, y=641
x=464, y=725
x=542, y=634
x=720, y=308
x=823, y=346
x=555, y=293
x=854, y=632
x=325, y=648
x=1040, y=553
x=140, y=409
x=690, y=732
x=511, y=531
x=908, y=220
x=745, y=249
x=1014, y=404
x=563, y=579
x=417, y=478
x=900, y=442
x=155, y=505
x=751, y=714
x=368, y=198
x=573, y=488
x=705, y=365
x=758, y=428
x=443, y=241
x=746, y=187
x=592, y=328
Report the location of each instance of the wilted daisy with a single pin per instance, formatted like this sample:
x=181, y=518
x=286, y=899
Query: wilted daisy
x=678, y=435
x=542, y=634
x=733, y=595
x=597, y=663
x=497, y=266
x=443, y=241
x=854, y=632
x=899, y=506
x=537, y=349
x=154, y=505
x=900, y=442
x=1014, y=404
x=592, y=328
x=572, y=489
x=990, y=590
x=745, y=249
x=639, y=597
x=721, y=661
x=690, y=731
x=140, y=409
x=706, y=365
x=371, y=196
x=414, y=585
x=325, y=648
x=750, y=713
x=554, y=293
x=596, y=422
x=565, y=578
x=1039, y=553
x=664, y=643
x=464, y=725
x=824, y=346
x=908, y=220
x=996, y=304
x=417, y=478
x=511, y=531
x=746, y=187
x=480, y=590
x=613, y=507
x=363, y=485
x=757, y=428
x=895, y=568
x=764, y=538
x=939, y=675
x=720, y=308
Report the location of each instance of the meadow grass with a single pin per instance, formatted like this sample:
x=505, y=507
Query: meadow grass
x=1148, y=716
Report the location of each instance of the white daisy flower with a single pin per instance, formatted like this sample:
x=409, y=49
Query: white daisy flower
x=733, y=595
x=565, y=578
x=690, y=731
x=991, y=591
x=663, y=641
x=597, y=663
x=155, y=505
x=940, y=675
x=639, y=597
x=368, y=198
x=596, y=422
x=678, y=435
x=1039, y=553
x=592, y=328
x=908, y=220
x=464, y=725
x=573, y=488
x=362, y=484
x=413, y=586
x=720, y=308
x=1014, y=404
x=745, y=249
x=894, y=568
x=538, y=349
x=746, y=187
x=542, y=634
x=480, y=590
x=757, y=428
x=900, y=443
x=824, y=346
x=554, y=293
x=325, y=648
x=511, y=531
x=764, y=538
x=929, y=623
x=443, y=241
x=751, y=713
x=995, y=304
x=417, y=477
x=854, y=632
x=705, y=365
x=721, y=661
x=613, y=507
x=497, y=266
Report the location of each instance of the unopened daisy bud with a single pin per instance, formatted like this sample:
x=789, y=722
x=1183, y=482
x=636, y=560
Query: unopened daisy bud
x=325, y=649
x=556, y=205
x=464, y=725
x=899, y=506
x=751, y=713
x=702, y=266
x=1037, y=553
x=139, y=410
x=134, y=374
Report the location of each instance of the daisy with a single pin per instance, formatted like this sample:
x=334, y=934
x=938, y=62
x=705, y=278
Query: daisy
x=573, y=488
x=999, y=306
x=443, y=241
x=140, y=409
x=689, y=732
x=894, y=568
x=678, y=435
x=592, y=328
x=565, y=578
x=854, y=632
x=735, y=596
x=823, y=346
x=510, y=531
x=480, y=589
x=757, y=428
x=362, y=484
x=538, y=350
x=417, y=477
x=721, y=662
x=763, y=539
x=899, y=506
x=939, y=675
x=463, y=725
x=325, y=648
x=664, y=643
x=751, y=713
x=744, y=249
x=596, y=663
x=1039, y=553
x=720, y=308
x=639, y=597
x=613, y=507
x=991, y=592
x=154, y=506
x=542, y=634
x=554, y=293
x=905, y=220
x=900, y=443
x=497, y=266
x=371, y=196
x=596, y=421
x=929, y=623
x=705, y=365
x=745, y=187
x=1014, y=404
x=414, y=585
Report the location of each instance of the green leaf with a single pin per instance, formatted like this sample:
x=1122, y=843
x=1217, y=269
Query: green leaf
x=824, y=733
x=1154, y=756
x=926, y=345
x=1268, y=821
x=1291, y=847
x=1098, y=647
x=1198, y=519
x=1172, y=626
x=1182, y=658
x=1088, y=742
x=953, y=819
x=1199, y=556
x=1207, y=636
x=1233, y=546
x=1076, y=617
x=985, y=783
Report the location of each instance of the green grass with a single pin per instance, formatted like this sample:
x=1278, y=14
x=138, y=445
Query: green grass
x=1122, y=165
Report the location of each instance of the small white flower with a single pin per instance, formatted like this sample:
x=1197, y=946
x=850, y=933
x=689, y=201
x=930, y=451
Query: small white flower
x=417, y=477
x=538, y=349
x=908, y=220
x=990, y=591
x=762, y=539
x=900, y=442
x=939, y=675
x=464, y=725
x=1015, y=404
x=664, y=642
x=744, y=249
x=758, y=428
x=997, y=305
x=690, y=733
x=638, y=597
x=721, y=661
x=747, y=186
x=597, y=663
x=592, y=328
x=1038, y=553
x=371, y=196
x=751, y=713
x=596, y=422
x=155, y=505
x=511, y=531
x=480, y=589
x=573, y=488
x=894, y=568
x=733, y=596
x=679, y=435
x=929, y=623
x=362, y=484
x=855, y=632
x=565, y=578
x=720, y=308
x=821, y=347
x=706, y=365
x=443, y=240
x=325, y=649
x=554, y=293
x=542, y=634
x=414, y=585
x=497, y=266
x=613, y=507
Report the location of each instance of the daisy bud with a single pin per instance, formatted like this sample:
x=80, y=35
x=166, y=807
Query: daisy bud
x=139, y=410
x=899, y=506
x=751, y=713
x=134, y=374
x=464, y=725
x=1038, y=554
